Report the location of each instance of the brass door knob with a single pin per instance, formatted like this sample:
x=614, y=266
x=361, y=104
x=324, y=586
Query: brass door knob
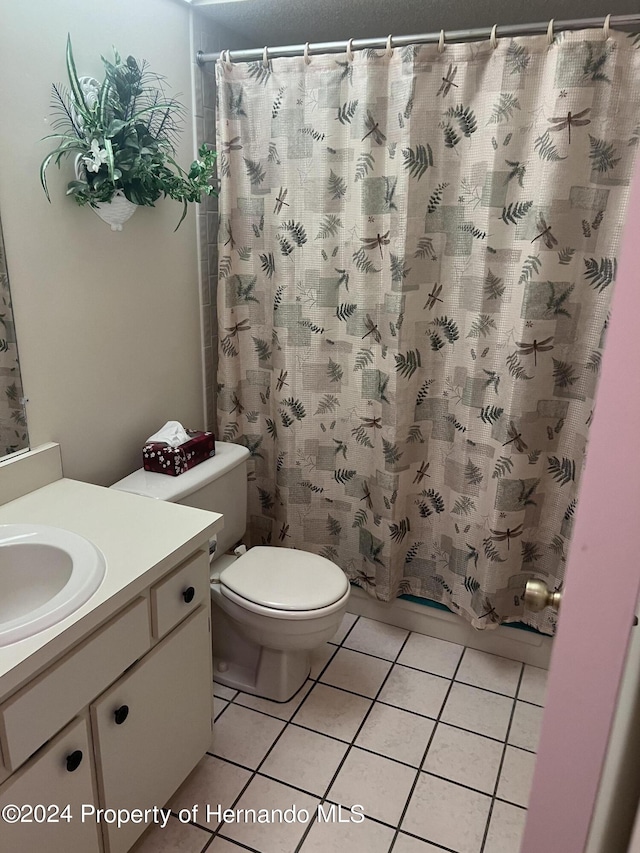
x=537, y=596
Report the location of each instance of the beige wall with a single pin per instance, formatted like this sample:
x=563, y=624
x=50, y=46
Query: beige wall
x=108, y=323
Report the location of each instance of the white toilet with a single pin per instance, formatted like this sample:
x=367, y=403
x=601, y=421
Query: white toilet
x=271, y=606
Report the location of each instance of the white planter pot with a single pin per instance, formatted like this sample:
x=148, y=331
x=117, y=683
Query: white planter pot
x=115, y=212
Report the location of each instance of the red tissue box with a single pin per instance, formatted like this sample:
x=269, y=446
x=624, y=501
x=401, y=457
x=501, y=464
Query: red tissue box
x=164, y=459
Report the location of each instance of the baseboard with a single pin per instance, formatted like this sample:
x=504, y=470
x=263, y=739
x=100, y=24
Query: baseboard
x=525, y=646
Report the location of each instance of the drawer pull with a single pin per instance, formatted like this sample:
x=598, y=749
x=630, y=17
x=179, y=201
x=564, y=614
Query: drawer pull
x=74, y=759
x=121, y=714
x=189, y=594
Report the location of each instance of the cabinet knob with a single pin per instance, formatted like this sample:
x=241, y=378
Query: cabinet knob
x=74, y=759
x=188, y=594
x=121, y=714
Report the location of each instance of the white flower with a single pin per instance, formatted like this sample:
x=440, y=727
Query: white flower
x=93, y=162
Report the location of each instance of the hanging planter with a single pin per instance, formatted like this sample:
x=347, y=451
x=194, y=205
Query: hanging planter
x=123, y=132
x=115, y=212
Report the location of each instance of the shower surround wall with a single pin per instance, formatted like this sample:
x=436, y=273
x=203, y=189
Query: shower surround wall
x=208, y=37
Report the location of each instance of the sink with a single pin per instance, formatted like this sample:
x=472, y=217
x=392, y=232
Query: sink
x=46, y=573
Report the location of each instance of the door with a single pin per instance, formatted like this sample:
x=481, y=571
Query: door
x=60, y=774
x=601, y=587
x=154, y=725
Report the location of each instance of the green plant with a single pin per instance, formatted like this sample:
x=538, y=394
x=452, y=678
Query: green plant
x=124, y=130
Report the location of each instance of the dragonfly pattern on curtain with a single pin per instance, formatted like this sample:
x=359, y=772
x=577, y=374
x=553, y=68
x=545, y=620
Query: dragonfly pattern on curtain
x=416, y=260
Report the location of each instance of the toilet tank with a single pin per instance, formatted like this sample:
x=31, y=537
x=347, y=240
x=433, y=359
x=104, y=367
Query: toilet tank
x=218, y=485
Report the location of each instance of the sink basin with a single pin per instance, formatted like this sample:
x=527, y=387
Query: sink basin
x=46, y=573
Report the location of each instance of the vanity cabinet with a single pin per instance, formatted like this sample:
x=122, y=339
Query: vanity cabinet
x=118, y=722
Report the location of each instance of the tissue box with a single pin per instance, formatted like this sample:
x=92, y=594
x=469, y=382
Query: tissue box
x=163, y=459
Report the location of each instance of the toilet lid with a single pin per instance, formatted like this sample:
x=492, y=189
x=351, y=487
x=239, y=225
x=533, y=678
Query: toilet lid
x=285, y=579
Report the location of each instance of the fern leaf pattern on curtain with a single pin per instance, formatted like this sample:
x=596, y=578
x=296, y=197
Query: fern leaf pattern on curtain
x=416, y=259
x=13, y=423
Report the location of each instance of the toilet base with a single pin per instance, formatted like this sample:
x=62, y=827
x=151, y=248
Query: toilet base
x=276, y=675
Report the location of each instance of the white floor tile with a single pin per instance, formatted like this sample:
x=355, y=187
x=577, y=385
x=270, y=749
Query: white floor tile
x=478, y=710
x=534, y=685
x=221, y=845
x=365, y=837
x=396, y=734
x=447, y=814
x=305, y=759
x=506, y=829
x=218, y=706
x=376, y=638
x=212, y=782
x=380, y=785
x=320, y=658
x=278, y=836
x=490, y=672
x=356, y=672
x=407, y=844
x=282, y=710
x=332, y=712
x=415, y=691
x=176, y=837
x=223, y=692
x=244, y=736
x=348, y=621
x=516, y=776
x=526, y=725
x=431, y=655
x=463, y=757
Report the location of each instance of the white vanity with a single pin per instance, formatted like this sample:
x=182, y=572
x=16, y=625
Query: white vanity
x=112, y=707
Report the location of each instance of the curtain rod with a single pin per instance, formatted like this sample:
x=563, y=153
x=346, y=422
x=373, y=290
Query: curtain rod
x=477, y=34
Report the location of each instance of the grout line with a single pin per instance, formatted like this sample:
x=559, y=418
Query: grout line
x=426, y=752
x=209, y=842
x=380, y=702
x=419, y=838
x=268, y=752
x=238, y=844
x=351, y=745
x=501, y=765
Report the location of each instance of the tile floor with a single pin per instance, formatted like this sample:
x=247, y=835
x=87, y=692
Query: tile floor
x=436, y=741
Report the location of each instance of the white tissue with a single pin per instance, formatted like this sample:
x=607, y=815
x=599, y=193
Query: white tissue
x=172, y=433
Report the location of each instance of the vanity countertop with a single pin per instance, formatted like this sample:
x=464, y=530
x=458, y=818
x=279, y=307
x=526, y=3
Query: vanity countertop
x=141, y=539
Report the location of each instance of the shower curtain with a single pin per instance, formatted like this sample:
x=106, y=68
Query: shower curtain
x=416, y=258
x=13, y=423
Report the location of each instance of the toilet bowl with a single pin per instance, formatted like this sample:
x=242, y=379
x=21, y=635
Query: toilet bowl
x=271, y=607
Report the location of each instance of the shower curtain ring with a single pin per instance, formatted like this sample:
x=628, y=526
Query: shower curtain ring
x=550, y=32
x=606, y=29
x=494, y=36
x=265, y=57
x=441, y=42
x=307, y=61
x=226, y=59
x=350, y=50
x=389, y=50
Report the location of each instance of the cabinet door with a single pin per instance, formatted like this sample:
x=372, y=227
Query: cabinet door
x=154, y=725
x=56, y=776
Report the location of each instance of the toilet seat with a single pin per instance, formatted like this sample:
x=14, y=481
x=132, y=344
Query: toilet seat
x=286, y=615
x=285, y=581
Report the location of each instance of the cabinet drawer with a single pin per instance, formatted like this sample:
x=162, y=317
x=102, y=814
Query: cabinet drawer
x=34, y=714
x=47, y=781
x=179, y=594
x=153, y=725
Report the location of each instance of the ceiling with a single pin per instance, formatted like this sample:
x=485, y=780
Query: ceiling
x=278, y=22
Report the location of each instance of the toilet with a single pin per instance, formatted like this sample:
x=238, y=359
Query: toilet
x=271, y=607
